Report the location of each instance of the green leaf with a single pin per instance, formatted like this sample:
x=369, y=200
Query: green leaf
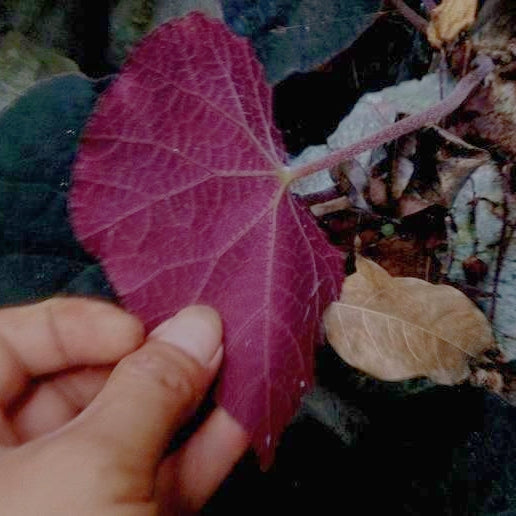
x=39, y=133
x=288, y=35
x=297, y=35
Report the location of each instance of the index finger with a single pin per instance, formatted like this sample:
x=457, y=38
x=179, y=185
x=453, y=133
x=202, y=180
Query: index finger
x=58, y=334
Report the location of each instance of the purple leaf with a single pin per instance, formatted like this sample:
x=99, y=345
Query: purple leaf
x=180, y=189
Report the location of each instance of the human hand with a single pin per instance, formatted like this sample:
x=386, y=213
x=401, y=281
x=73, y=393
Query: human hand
x=79, y=435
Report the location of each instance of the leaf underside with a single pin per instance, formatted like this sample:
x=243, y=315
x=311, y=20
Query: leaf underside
x=176, y=191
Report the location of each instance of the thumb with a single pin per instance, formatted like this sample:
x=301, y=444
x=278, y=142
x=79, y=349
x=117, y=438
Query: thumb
x=152, y=391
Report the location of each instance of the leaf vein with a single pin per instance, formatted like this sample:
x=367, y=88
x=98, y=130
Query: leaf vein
x=408, y=323
x=244, y=127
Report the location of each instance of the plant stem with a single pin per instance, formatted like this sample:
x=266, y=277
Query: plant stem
x=429, y=5
x=430, y=116
x=506, y=236
x=410, y=15
x=321, y=196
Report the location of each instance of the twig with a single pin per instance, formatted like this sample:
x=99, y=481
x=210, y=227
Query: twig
x=506, y=233
x=443, y=68
x=410, y=15
x=429, y=5
x=321, y=196
x=407, y=125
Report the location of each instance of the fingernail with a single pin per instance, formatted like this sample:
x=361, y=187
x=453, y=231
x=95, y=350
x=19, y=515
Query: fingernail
x=196, y=330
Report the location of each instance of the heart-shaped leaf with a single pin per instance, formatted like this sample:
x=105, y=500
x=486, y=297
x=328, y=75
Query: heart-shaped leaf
x=180, y=189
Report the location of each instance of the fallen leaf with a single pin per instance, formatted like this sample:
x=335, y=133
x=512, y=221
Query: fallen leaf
x=180, y=189
x=489, y=115
x=403, y=257
x=400, y=328
x=444, y=162
x=412, y=203
x=372, y=113
x=401, y=174
x=376, y=191
x=478, y=229
x=449, y=19
x=455, y=161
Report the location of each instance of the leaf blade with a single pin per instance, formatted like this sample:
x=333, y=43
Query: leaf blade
x=178, y=195
x=415, y=328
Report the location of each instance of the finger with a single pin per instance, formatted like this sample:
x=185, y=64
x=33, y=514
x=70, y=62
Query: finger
x=58, y=334
x=190, y=476
x=150, y=392
x=53, y=403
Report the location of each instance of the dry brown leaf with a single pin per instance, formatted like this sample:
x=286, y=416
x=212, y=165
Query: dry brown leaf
x=449, y=19
x=401, y=174
x=403, y=257
x=455, y=161
x=399, y=328
x=445, y=161
x=414, y=203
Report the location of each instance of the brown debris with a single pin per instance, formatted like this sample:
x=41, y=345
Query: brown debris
x=449, y=19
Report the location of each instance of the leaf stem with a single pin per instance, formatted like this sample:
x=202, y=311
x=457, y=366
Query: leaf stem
x=429, y=5
x=430, y=116
x=418, y=22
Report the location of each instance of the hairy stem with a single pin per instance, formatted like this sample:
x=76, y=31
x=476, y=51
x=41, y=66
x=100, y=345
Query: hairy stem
x=430, y=116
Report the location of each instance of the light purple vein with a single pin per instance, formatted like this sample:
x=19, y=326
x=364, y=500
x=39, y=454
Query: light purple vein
x=245, y=128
